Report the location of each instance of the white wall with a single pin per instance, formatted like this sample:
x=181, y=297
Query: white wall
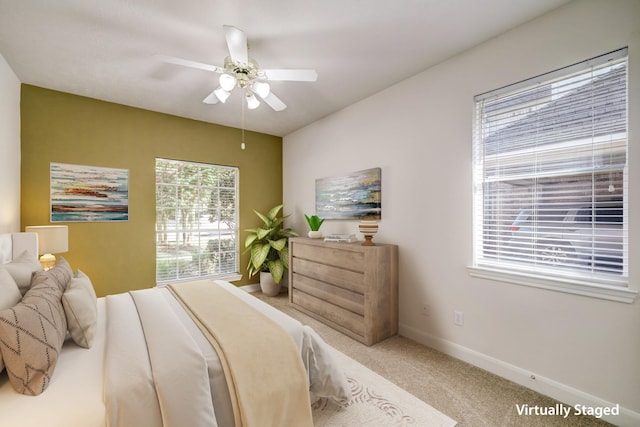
x=9, y=149
x=581, y=349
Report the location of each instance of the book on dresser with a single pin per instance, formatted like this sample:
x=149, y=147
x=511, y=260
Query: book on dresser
x=344, y=238
x=348, y=286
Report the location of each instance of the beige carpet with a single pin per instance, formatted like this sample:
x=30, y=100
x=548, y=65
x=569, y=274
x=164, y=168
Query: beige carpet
x=470, y=395
x=376, y=402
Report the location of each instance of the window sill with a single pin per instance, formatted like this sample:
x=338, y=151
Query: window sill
x=571, y=286
x=231, y=277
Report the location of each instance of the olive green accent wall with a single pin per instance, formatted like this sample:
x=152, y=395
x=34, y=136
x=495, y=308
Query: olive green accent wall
x=120, y=256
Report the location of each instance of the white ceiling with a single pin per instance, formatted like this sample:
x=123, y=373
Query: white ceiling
x=104, y=48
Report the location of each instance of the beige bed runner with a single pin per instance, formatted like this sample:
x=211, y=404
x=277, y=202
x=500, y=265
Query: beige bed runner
x=267, y=380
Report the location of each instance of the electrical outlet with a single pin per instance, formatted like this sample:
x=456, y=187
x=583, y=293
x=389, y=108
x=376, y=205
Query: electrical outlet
x=458, y=318
x=425, y=310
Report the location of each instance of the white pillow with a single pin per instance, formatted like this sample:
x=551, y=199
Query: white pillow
x=80, y=307
x=9, y=296
x=9, y=292
x=22, y=268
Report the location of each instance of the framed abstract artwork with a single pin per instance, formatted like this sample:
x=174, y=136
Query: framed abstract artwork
x=353, y=196
x=88, y=193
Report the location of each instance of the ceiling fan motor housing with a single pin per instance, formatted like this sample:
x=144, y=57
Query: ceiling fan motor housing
x=244, y=73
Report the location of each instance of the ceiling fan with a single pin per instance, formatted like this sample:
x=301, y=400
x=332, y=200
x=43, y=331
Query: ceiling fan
x=241, y=71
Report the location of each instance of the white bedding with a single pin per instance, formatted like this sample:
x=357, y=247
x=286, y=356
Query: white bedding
x=147, y=382
x=74, y=396
x=127, y=354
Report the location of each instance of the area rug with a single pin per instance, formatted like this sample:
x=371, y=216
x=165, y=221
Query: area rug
x=376, y=402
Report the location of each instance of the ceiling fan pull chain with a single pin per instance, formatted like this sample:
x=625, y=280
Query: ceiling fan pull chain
x=242, y=144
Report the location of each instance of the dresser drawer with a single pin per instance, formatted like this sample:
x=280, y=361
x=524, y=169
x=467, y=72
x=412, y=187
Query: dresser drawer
x=327, y=311
x=347, y=279
x=347, y=260
x=349, y=300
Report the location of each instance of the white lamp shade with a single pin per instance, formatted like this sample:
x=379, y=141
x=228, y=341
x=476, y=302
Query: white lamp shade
x=252, y=101
x=52, y=239
x=227, y=82
x=261, y=88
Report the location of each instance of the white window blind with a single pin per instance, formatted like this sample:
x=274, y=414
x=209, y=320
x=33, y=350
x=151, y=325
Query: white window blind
x=550, y=174
x=196, y=220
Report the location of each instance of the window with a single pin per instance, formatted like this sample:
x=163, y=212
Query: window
x=196, y=220
x=550, y=177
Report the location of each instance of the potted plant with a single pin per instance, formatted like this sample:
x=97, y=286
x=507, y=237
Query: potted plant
x=314, y=222
x=269, y=250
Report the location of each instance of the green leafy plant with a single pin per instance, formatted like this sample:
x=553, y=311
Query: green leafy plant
x=269, y=245
x=314, y=222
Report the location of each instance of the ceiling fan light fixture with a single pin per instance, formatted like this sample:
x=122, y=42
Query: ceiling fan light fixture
x=227, y=82
x=252, y=101
x=261, y=88
x=222, y=94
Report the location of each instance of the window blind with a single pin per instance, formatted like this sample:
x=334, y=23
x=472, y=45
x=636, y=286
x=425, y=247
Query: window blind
x=550, y=173
x=196, y=220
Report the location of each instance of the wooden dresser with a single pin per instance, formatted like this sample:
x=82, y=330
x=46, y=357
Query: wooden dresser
x=348, y=286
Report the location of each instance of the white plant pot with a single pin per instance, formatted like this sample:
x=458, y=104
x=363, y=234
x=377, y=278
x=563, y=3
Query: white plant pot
x=268, y=286
x=315, y=234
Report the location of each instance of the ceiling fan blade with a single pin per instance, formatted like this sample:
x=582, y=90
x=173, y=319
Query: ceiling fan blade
x=211, y=98
x=274, y=102
x=300, y=75
x=189, y=63
x=237, y=44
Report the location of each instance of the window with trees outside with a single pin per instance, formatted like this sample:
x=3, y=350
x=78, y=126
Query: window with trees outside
x=550, y=180
x=196, y=220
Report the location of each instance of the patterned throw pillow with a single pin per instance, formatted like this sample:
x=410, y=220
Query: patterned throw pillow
x=32, y=333
x=61, y=273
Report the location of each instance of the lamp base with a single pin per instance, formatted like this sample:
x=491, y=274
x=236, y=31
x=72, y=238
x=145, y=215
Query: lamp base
x=367, y=241
x=47, y=261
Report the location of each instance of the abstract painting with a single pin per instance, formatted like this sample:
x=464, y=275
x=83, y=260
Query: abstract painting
x=88, y=193
x=353, y=196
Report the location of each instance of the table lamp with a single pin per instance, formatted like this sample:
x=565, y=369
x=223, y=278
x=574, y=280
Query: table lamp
x=52, y=239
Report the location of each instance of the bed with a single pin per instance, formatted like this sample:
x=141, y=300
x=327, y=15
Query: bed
x=138, y=368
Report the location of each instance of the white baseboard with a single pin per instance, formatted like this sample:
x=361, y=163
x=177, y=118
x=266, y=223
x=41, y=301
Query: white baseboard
x=542, y=385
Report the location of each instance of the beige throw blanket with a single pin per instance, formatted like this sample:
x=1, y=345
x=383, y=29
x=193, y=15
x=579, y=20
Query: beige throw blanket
x=267, y=380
